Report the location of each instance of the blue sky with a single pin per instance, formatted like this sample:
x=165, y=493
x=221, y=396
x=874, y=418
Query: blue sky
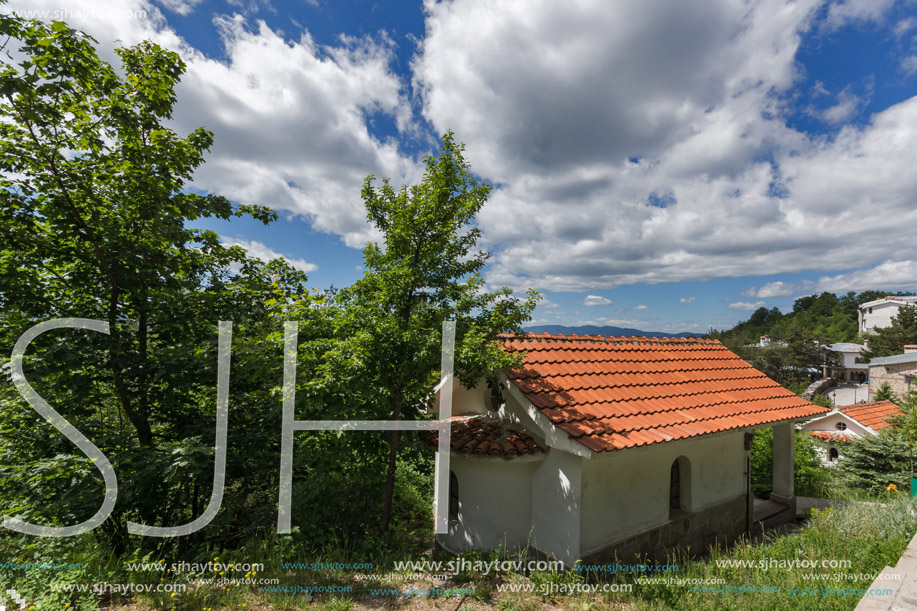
x=657, y=165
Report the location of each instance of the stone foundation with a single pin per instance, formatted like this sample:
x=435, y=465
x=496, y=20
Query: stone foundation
x=691, y=532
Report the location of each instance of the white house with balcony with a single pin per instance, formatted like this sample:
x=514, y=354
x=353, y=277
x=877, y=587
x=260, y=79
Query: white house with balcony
x=850, y=367
x=878, y=314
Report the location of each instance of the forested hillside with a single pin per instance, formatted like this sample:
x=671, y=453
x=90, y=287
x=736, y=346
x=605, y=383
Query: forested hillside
x=829, y=317
x=792, y=355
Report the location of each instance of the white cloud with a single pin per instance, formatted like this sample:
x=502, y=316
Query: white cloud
x=596, y=300
x=909, y=64
x=774, y=289
x=581, y=133
x=744, y=305
x=641, y=307
x=687, y=299
x=890, y=275
x=846, y=107
x=182, y=7
x=547, y=304
x=289, y=117
x=534, y=89
x=265, y=253
x=842, y=13
x=904, y=26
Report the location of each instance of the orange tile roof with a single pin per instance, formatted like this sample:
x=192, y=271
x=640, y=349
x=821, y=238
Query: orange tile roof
x=482, y=436
x=872, y=414
x=831, y=436
x=611, y=393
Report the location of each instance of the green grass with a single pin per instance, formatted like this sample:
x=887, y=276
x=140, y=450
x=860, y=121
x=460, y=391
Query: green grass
x=871, y=536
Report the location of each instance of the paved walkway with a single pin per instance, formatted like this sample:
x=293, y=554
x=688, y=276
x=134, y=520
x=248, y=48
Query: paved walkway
x=848, y=394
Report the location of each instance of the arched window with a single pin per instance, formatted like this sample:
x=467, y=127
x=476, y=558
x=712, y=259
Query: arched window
x=833, y=454
x=453, y=496
x=675, y=488
x=679, y=486
x=841, y=426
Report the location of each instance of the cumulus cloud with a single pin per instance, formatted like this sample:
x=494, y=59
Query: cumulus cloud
x=289, y=116
x=596, y=300
x=890, y=275
x=687, y=299
x=668, y=164
x=584, y=136
x=744, y=305
x=261, y=251
x=641, y=307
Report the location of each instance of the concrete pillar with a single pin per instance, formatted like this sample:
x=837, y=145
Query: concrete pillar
x=784, y=447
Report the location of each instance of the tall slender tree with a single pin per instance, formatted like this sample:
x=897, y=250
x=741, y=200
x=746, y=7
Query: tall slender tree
x=426, y=269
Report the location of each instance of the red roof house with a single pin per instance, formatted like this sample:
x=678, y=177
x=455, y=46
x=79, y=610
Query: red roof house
x=600, y=446
x=845, y=423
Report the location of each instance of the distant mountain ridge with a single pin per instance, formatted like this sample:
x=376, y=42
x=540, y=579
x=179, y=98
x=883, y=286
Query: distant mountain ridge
x=604, y=331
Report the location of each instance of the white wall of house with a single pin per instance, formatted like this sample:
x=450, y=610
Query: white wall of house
x=495, y=503
x=823, y=449
x=468, y=401
x=627, y=492
x=556, y=501
x=878, y=314
x=829, y=423
x=849, y=361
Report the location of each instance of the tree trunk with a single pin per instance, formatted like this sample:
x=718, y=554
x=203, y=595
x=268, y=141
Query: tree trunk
x=392, y=463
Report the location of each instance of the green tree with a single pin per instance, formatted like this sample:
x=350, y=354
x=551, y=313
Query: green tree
x=884, y=392
x=892, y=339
x=904, y=423
x=809, y=475
x=873, y=462
x=94, y=218
x=426, y=269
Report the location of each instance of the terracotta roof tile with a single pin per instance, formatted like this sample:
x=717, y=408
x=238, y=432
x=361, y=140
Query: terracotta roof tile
x=872, y=414
x=483, y=436
x=831, y=436
x=610, y=393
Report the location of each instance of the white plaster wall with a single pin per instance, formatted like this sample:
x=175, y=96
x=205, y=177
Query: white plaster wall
x=880, y=317
x=849, y=361
x=822, y=448
x=627, y=492
x=829, y=423
x=555, y=502
x=468, y=401
x=495, y=503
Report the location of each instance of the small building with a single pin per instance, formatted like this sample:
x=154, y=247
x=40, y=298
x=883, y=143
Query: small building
x=850, y=367
x=602, y=448
x=878, y=314
x=899, y=371
x=840, y=426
